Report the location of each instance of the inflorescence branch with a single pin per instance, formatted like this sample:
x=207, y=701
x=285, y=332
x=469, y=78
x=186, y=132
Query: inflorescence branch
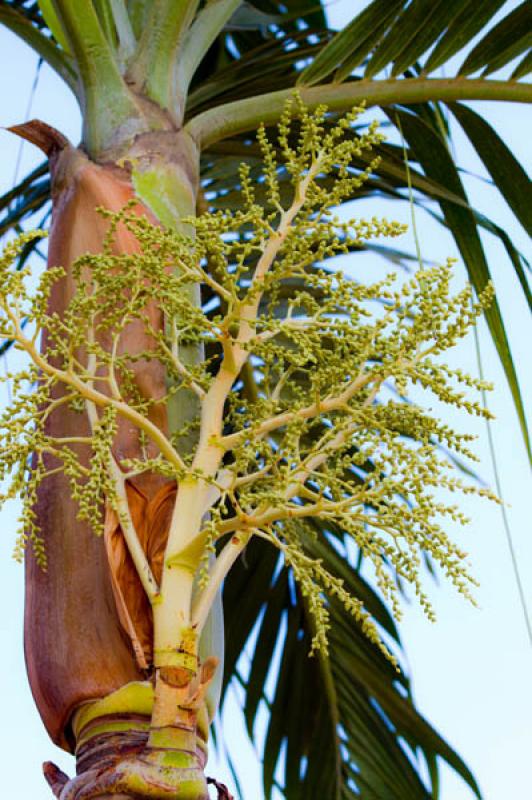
x=319, y=436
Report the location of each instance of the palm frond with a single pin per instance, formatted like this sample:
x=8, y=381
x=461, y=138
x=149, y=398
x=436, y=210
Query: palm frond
x=20, y=205
x=434, y=156
x=342, y=726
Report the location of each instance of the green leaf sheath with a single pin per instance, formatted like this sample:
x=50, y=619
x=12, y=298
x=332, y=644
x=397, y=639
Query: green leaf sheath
x=138, y=13
x=197, y=41
x=109, y=109
x=105, y=16
x=52, y=20
x=124, y=29
x=155, y=60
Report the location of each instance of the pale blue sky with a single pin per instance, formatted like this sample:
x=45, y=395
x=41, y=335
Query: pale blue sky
x=472, y=669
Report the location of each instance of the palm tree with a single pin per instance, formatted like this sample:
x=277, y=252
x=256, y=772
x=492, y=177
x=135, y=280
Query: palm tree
x=171, y=92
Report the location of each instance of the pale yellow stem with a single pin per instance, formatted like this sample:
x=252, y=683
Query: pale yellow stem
x=98, y=398
x=122, y=505
x=217, y=574
x=132, y=540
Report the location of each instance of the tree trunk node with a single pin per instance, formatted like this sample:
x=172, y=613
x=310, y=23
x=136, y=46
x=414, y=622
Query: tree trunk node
x=115, y=759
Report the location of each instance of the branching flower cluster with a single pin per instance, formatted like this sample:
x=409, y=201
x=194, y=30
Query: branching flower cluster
x=301, y=393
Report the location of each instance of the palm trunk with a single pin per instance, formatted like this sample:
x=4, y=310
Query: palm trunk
x=139, y=728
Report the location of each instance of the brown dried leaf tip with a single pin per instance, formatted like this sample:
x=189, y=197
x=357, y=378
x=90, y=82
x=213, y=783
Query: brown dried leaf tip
x=223, y=791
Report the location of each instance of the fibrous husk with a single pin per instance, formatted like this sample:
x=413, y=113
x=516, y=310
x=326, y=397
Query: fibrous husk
x=151, y=519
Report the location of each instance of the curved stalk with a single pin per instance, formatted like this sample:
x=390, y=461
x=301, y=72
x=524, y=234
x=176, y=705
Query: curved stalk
x=202, y=33
x=134, y=546
x=93, y=395
x=205, y=599
x=240, y=116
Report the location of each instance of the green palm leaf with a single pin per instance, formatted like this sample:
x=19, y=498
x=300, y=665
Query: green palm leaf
x=437, y=162
x=418, y=25
x=344, y=719
x=471, y=19
x=523, y=68
x=352, y=44
x=506, y=172
x=506, y=40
